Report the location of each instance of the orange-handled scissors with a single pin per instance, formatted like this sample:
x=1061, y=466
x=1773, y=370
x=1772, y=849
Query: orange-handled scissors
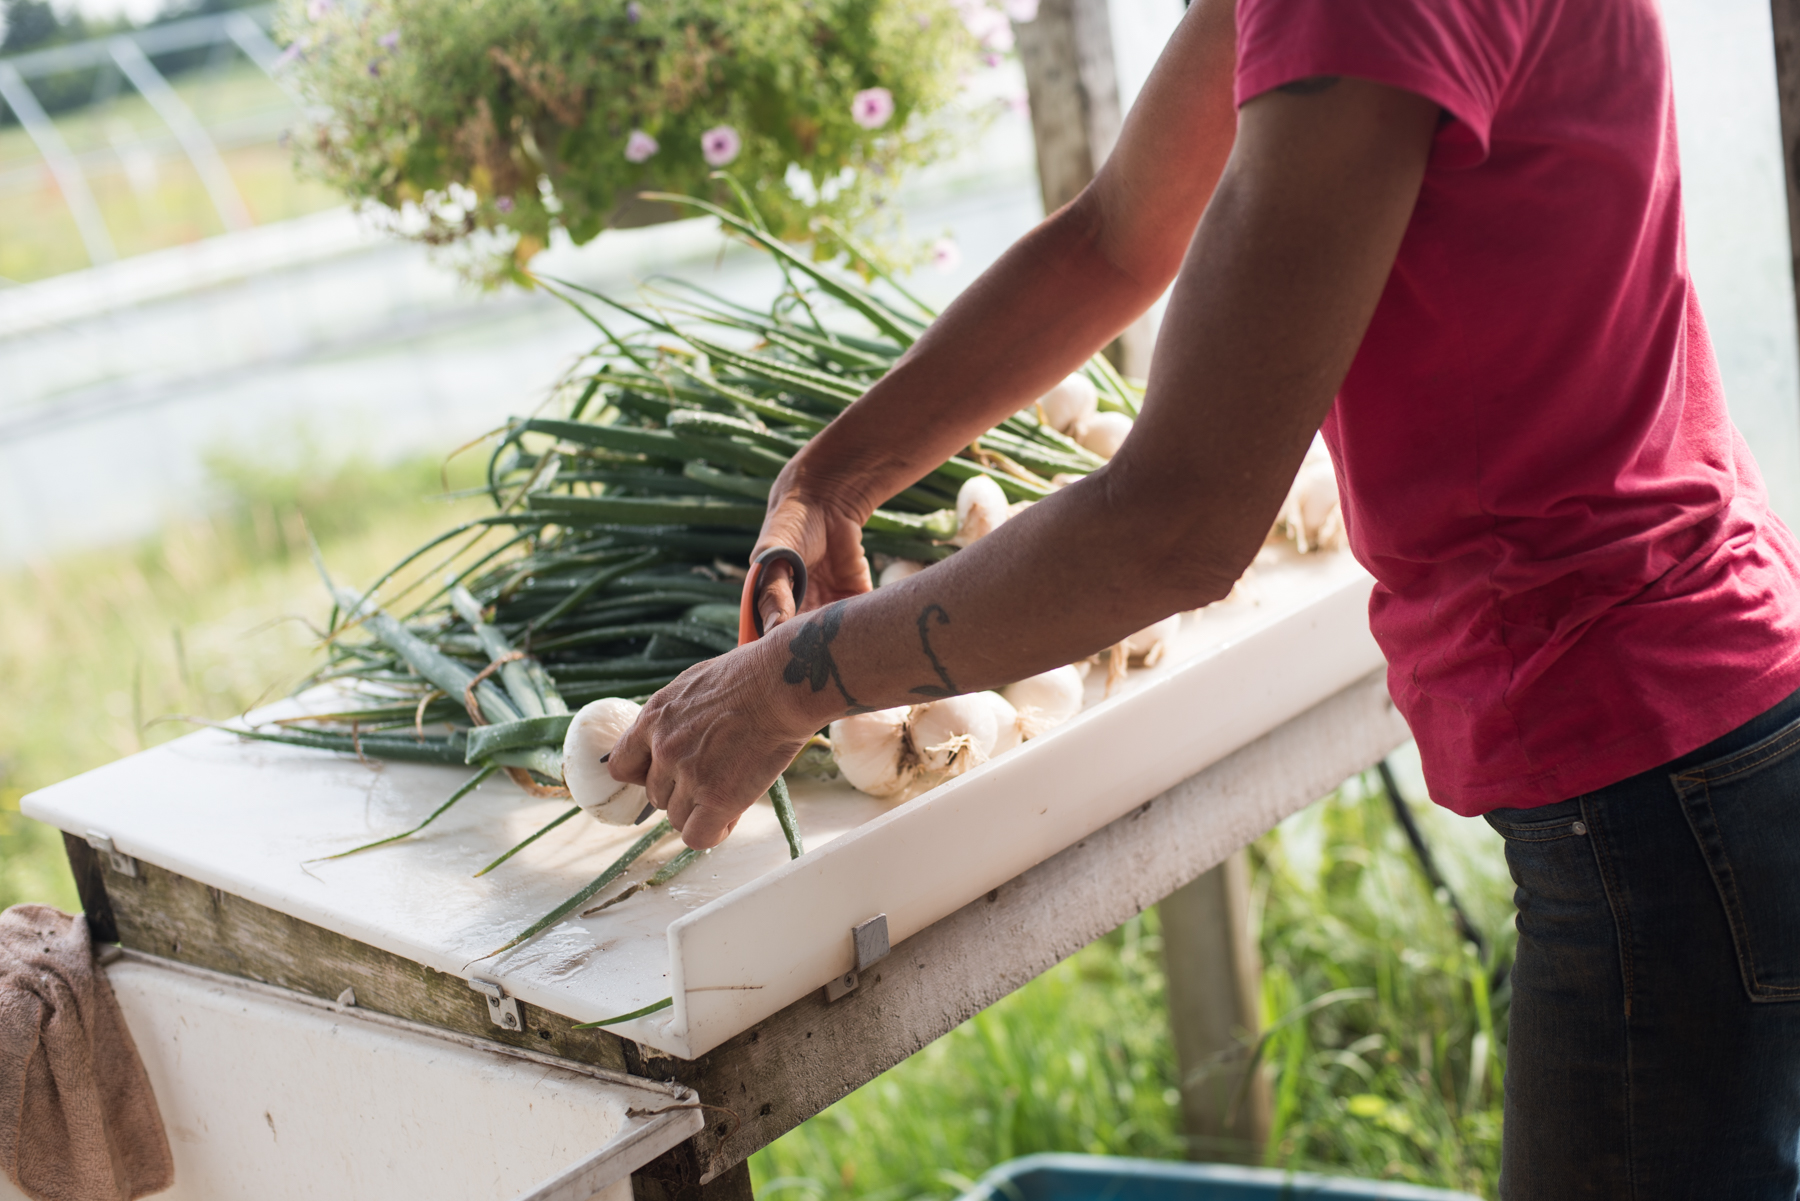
x=750, y=622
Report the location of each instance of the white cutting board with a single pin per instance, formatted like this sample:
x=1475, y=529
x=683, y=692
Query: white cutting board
x=744, y=932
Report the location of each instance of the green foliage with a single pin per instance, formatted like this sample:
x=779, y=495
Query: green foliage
x=502, y=120
x=1375, y=1009
x=1078, y=1060
x=1386, y=1045
x=199, y=619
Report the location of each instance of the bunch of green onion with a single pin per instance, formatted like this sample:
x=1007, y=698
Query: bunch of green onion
x=613, y=559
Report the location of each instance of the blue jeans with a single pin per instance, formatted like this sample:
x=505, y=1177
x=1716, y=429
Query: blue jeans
x=1654, y=1048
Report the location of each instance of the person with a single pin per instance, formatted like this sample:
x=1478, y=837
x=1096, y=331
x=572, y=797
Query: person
x=1448, y=232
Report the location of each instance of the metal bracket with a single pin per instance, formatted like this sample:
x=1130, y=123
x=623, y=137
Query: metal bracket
x=503, y=1010
x=869, y=941
x=125, y=865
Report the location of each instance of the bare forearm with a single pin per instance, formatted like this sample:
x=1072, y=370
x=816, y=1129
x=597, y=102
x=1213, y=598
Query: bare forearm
x=1005, y=341
x=1059, y=294
x=1279, y=288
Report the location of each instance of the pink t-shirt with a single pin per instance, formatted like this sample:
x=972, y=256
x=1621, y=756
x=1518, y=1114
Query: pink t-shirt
x=1578, y=577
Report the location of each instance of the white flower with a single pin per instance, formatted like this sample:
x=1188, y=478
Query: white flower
x=1021, y=10
x=719, y=145
x=946, y=255
x=639, y=146
x=991, y=29
x=872, y=107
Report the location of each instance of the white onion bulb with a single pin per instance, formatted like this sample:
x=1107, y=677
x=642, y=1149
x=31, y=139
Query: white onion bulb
x=1310, y=515
x=981, y=508
x=1046, y=700
x=953, y=735
x=871, y=752
x=1069, y=403
x=593, y=732
x=1103, y=433
x=1006, y=718
x=898, y=570
x=1150, y=643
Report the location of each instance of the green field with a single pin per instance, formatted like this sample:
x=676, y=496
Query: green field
x=1385, y=1052
x=149, y=195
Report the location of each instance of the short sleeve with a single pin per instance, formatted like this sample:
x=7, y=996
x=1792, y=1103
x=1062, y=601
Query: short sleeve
x=1459, y=54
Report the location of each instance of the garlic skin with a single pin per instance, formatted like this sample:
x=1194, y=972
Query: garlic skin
x=898, y=570
x=953, y=735
x=1310, y=516
x=871, y=751
x=981, y=509
x=593, y=732
x=1046, y=700
x=1150, y=643
x=1103, y=433
x=1069, y=403
x=1009, y=734
x=1147, y=646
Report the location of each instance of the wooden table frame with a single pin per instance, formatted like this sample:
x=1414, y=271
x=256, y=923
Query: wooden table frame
x=769, y=1079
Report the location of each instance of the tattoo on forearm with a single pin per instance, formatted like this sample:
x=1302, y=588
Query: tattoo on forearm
x=932, y=690
x=1312, y=85
x=810, y=659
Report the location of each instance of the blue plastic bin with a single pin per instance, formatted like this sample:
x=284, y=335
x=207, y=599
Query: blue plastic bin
x=1106, y=1178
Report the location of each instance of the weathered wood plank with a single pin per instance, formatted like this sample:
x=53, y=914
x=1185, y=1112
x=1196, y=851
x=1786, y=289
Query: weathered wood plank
x=1785, y=15
x=1214, y=973
x=162, y=913
x=790, y=1067
x=1071, y=78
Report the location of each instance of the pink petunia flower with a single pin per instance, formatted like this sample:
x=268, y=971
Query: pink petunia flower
x=719, y=145
x=640, y=146
x=991, y=29
x=946, y=255
x=872, y=107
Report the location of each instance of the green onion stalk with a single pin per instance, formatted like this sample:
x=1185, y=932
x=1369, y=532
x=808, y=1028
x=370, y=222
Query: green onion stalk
x=623, y=517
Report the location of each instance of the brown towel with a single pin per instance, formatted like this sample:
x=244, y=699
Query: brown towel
x=78, y=1121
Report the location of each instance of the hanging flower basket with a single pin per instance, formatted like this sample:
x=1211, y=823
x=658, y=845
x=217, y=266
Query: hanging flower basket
x=492, y=123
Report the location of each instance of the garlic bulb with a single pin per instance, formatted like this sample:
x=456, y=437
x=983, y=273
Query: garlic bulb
x=898, y=570
x=1009, y=734
x=1310, y=515
x=980, y=509
x=953, y=735
x=1069, y=403
x=1149, y=643
x=1103, y=433
x=593, y=732
x=871, y=751
x=1147, y=647
x=1046, y=700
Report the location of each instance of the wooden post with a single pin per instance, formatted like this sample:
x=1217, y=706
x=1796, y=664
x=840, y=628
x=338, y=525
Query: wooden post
x=1786, y=17
x=1214, y=971
x=1214, y=975
x=1073, y=85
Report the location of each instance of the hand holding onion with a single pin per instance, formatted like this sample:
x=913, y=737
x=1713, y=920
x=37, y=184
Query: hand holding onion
x=711, y=743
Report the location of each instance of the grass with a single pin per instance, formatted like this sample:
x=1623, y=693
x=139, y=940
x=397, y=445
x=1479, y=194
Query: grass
x=1385, y=1050
x=149, y=195
x=205, y=619
x=1381, y=1082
